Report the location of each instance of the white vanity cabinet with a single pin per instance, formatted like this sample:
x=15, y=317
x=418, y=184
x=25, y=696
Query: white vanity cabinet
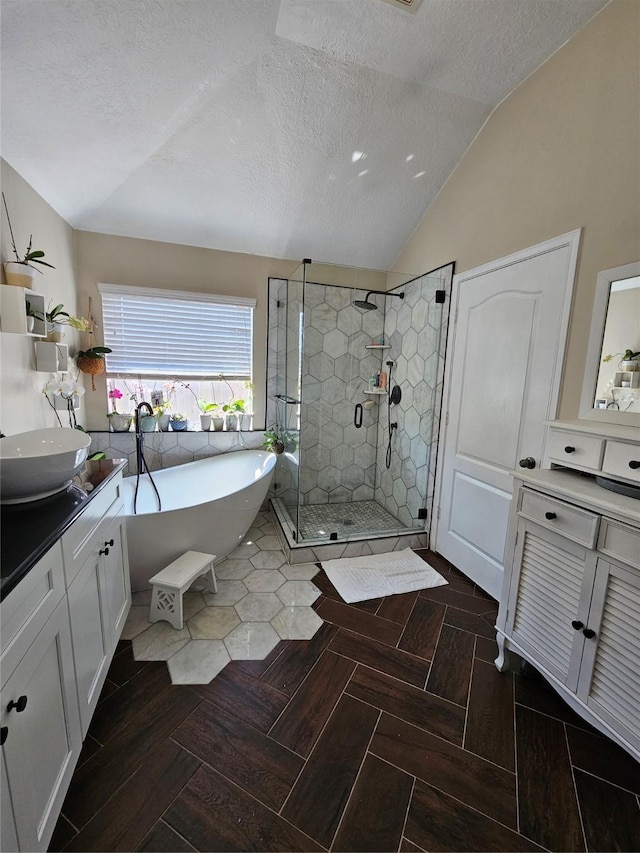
x=99, y=594
x=60, y=627
x=571, y=596
x=609, y=450
x=40, y=718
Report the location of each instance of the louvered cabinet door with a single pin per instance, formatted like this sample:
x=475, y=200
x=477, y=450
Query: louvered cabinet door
x=610, y=673
x=551, y=589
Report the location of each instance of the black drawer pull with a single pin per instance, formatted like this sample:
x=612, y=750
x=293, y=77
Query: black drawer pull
x=20, y=705
x=550, y=516
x=110, y=542
x=589, y=633
x=577, y=624
x=4, y=731
x=105, y=552
x=634, y=464
x=569, y=449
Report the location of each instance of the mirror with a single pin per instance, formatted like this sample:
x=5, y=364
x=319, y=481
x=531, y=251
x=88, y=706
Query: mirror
x=611, y=388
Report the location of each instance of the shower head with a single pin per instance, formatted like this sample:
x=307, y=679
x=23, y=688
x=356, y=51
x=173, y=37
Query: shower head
x=365, y=304
x=371, y=306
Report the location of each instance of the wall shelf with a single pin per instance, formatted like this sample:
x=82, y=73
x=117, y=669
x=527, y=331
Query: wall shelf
x=52, y=357
x=378, y=392
x=13, y=313
x=632, y=377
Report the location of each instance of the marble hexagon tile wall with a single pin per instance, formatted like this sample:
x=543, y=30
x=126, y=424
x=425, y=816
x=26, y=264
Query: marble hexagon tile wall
x=337, y=460
x=166, y=449
x=416, y=329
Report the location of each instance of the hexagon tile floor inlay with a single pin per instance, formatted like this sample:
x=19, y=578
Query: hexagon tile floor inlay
x=260, y=601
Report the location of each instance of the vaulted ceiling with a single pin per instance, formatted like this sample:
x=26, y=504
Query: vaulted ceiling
x=288, y=128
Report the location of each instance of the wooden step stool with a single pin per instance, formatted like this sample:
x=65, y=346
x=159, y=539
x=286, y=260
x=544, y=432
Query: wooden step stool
x=171, y=583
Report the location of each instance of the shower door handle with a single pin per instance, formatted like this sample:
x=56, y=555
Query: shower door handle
x=357, y=416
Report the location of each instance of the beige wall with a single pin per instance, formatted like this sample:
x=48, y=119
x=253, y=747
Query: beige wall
x=562, y=152
x=144, y=263
x=23, y=406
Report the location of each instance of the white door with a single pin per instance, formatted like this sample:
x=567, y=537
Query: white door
x=504, y=361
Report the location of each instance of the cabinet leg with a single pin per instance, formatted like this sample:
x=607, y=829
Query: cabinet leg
x=502, y=661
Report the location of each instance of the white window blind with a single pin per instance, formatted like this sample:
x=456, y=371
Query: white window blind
x=176, y=334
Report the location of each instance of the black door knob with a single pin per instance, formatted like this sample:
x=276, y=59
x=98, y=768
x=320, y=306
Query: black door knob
x=569, y=449
x=4, y=732
x=550, y=515
x=110, y=542
x=589, y=633
x=634, y=464
x=577, y=624
x=20, y=705
x=529, y=462
x=104, y=551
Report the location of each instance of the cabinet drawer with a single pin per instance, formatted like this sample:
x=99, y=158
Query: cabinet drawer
x=617, y=456
x=84, y=534
x=620, y=542
x=576, y=449
x=27, y=607
x=579, y=525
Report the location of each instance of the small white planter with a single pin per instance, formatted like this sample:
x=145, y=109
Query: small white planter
x=163, y=422
x=205, y=423
x=217, y=423
x=20, y=275
x=626, y=366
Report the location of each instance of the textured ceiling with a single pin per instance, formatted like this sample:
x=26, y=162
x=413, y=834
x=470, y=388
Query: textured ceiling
x=289, y=128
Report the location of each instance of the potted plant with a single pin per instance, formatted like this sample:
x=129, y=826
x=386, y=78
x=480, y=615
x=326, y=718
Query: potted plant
x=206, y=415
x=273, y=441
x=178, y=422
x=92, y=361
x=118, y=422
x=56, y=318
x=161, y=411
x=32, y=316
x=629, y=361
x=234, y=410
x=21, y=272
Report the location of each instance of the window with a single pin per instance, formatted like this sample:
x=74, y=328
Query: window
x=188, y=346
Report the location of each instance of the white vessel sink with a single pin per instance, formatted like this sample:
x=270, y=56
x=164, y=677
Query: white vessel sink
x=40, y=463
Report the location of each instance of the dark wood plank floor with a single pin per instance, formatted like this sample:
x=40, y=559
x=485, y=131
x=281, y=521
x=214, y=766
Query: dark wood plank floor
x=390, y=730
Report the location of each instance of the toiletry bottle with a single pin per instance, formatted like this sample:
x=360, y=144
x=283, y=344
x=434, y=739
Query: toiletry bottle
x=383, y=381
x=372, y=381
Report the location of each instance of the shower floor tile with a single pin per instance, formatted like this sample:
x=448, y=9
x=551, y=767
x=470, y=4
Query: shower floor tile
x=318, y=521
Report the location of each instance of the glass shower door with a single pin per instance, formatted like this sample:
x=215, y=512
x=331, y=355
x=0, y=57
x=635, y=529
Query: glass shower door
x=286, y=357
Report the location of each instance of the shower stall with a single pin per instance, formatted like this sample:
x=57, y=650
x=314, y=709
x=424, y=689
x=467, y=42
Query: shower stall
x=354, y=390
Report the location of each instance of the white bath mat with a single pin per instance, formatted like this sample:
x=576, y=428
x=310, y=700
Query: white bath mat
x=360, y=578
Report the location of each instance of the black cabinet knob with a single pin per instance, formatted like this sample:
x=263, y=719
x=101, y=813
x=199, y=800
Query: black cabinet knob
x=529, y=462
x=589, y=633
x=569, y=449
x=110, y=542
x=4, y=732
x=550, y=516
x=20, y=705
x=577, y=624
x=634, y=464
x=104, y=551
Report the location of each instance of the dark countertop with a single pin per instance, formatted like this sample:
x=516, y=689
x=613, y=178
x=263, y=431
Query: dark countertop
x=30, y=529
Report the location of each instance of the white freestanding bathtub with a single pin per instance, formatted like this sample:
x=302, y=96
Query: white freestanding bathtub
x=207, y=506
